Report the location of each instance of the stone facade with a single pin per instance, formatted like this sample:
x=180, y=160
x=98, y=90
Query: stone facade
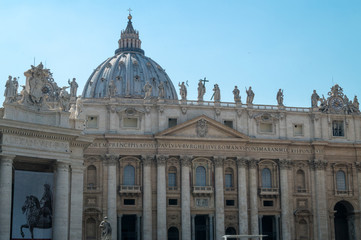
x=163, y=168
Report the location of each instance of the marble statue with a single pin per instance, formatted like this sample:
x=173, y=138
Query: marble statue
x=9, y=90
x=280, y=97
x=161, y=93
x=78, y=107
x=72, y=111
x=216, y=93
x=147, y=90
x=183, y=91
x=356, y=103
x=250, y=95
x=314, y=99
x=64, y=99
x=237, y=98
x=112, y=88
x=201, y=90
x=106, y=229
x=73, y=87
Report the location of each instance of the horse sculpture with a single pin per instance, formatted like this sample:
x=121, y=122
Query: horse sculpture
x=36, y=217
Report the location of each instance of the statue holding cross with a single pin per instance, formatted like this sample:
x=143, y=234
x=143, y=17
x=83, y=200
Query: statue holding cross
x=202, y=88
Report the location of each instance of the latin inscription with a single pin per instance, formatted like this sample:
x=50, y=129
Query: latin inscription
x=37, y=143
x=201, y=146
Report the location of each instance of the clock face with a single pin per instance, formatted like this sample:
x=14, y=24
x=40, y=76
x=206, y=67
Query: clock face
x=336, y=103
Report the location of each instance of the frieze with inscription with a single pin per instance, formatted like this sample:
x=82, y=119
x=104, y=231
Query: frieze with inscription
x=36, y=143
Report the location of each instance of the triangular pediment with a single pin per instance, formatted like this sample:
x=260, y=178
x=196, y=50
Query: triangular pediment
x=202, y=127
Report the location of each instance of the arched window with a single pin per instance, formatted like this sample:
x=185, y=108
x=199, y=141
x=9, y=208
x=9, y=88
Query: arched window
x=266, y=178
x=341, y=180
x=91, y=229
x=229, y=177
x=129, y=176
x=91, y=177
x=300, y=181
x=303, y=229
x=231, y=231
x=200, y=176
x=172, y=177
x=173, y=233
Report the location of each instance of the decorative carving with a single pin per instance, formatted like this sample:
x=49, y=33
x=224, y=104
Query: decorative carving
x=218, y=161
x=161, y=160
x=358, y=166
x=111, y=159
x=241, y=162
x=202, y=202
x=202, y=128
x=284, y=163
x=318, y=164
x=147, y=90
x=252, y=163
x=184, y=110
x=112, y=88
x=218, y=111
x=147, y=160
x=186, y=160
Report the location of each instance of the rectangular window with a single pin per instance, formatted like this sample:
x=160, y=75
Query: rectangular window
x=268, y=203
x=338, y=129
x=130, y=122
x=172, y=122
x=92, y=122
x=129, y=201
x=266, y=127
x=228, y=123
x=229, y=180
x=297, y=129
x=172, y=180
x=229, y=202
x=172, y=202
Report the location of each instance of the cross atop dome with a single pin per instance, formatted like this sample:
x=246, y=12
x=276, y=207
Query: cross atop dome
x=129, y=38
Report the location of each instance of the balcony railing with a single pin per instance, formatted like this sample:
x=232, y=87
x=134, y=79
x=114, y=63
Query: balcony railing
x=343, y=192
x=172, y=188
x=268, y=191
x=202, y=190
x=129, y=190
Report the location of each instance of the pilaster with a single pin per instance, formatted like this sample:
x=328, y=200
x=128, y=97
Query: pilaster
x=185, y=194
x=242, y=197
x=161, y=198
x=286, y=217
x=147, y=197
x=252, y=163
x=6, y=178
x=219, y=196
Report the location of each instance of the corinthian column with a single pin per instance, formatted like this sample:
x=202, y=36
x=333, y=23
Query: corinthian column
x=242, y=197
x=285, y=209
x=76, y=211
x=218, y=162
x=111, y=161
x=358, y=168
x=253, y=196
x=186, y=208
x=61, y=207
x=161, y=199
x=319, y=167
x=147, y=198
x=6, y=178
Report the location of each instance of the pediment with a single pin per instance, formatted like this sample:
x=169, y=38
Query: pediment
x=202, y=127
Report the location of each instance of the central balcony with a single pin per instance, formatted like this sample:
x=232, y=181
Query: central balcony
x=268, y=192
x=130, y=190
x=201, y=191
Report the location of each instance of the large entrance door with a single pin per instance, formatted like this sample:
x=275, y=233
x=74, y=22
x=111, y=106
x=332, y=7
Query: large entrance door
x=201, y=227
x=344, y=221
x=269, y=227
x=129, y=223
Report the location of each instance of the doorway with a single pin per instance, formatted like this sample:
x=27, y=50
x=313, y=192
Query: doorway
x=201, y=227
x=344, y=221
x=129, y=229
x=269, y=227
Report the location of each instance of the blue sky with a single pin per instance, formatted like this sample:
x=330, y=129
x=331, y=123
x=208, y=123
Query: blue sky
x=294, y=45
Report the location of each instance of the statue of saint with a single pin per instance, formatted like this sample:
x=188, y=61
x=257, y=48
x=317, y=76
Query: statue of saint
x=112, y=88
x=78, y=107
x=9, y=92
x=147, y=90
x=250, y=95
x=314, y=99
x=183, y=91
x=64, y=99
x=216, y=93
x=46, y=202
x=106, y=230
x=237, y=98
x=73, y=87
x=280, y=97
x=161, y=92
x=201, y=90
x=356, y=103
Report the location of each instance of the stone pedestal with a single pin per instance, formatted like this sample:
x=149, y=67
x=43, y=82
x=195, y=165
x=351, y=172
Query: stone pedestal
x=61, y=202
x=161, y=199
x=147, y=198
x=186, y=209
x=6, y=178
x=242, y=197
x=219, y=197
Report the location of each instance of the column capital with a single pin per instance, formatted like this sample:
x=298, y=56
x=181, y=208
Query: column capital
x=358, y=166
x=241, y=162
x=147, y=160
x=7, y=159
x=218, y=161
x=252, y=163
x=110, y=159
x=186, y=160
x=161, y=160
x=61, y=165
x=318, y=164
x=77, y=168
x=285, y=163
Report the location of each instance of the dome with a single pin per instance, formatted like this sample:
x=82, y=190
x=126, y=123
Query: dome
x=129, y=70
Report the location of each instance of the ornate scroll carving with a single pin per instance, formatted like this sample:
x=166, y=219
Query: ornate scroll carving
x=317, y=164
x=186, y=160
x=241, y=162
x=110, y=159
x=284, y=163
x=147, y=160
x=218, y=161
x=202, y=128
x=252, y=163
x=161, y=160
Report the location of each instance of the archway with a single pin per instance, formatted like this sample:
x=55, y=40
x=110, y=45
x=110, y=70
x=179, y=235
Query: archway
x=173, y=233
x=344, y=221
